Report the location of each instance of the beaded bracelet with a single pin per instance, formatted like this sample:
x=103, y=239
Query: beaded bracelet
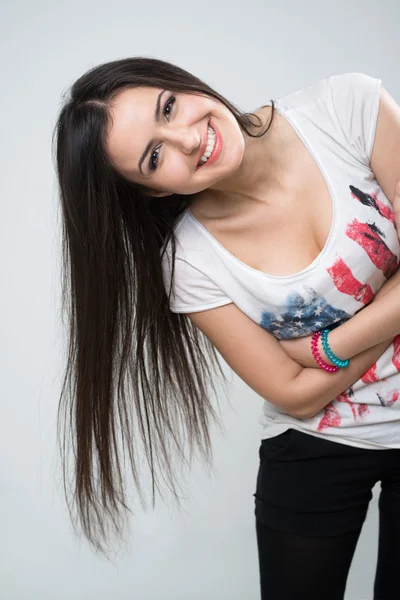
x=314, y=349
x=332, y=357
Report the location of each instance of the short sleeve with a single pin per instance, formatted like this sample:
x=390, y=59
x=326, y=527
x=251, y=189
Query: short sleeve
x=192, y=289
x=355, y=100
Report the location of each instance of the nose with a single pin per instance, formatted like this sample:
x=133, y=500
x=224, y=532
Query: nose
x=186, y=138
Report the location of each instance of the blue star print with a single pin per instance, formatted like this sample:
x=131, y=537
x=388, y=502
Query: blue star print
x=302, y=316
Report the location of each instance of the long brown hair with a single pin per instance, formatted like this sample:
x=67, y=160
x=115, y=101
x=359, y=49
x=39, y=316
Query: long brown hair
x=134, y=370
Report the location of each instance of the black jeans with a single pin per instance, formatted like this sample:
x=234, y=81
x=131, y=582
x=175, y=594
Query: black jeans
x=311, y=500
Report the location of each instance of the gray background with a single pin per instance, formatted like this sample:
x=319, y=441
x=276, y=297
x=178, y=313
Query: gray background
x=251, y=52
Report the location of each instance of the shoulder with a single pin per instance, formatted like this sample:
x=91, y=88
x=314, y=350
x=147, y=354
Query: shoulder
x=343, y=108
x=183, y=234
x=192, y=285
x=334, y=90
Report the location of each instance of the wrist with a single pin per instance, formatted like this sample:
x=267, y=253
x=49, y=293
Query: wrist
x=323, y=354
x=329, y=352
x=342, y=340
x=315, y=338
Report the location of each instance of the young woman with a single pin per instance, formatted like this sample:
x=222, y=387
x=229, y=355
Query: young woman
x=189, y=226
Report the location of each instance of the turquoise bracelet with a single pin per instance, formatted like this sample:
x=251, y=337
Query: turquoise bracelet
x=332, y=357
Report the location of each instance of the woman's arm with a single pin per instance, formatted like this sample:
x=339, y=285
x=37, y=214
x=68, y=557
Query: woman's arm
x=256, y=356
x=380, y=319
x=364, y=338
x=364, y=330
x=375, y=323
x=313, y=388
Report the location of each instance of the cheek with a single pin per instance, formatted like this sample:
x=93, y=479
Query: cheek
x=176, y=172
x=195, y=109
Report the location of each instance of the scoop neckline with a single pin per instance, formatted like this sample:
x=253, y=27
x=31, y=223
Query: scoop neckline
x=327, y=246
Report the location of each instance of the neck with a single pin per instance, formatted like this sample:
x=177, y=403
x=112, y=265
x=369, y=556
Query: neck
x=263, y=168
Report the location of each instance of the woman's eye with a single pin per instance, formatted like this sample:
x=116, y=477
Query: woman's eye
x=154, y=155
x=169, y=105
x=154, y=159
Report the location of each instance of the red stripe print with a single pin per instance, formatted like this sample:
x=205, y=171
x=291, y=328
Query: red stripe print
x=388, y=398
x=345, y=398
x=357, y=410
x=367, y=235
x=385, y=210
x=371, y=375
x=346, y=283
x=363, y=409
x=331, y=418
x=372, y=201
x=396, y=352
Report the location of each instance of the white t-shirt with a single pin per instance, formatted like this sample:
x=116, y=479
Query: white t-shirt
x=336, y=120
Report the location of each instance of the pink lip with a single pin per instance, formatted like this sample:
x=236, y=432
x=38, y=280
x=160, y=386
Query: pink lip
x=217, y=146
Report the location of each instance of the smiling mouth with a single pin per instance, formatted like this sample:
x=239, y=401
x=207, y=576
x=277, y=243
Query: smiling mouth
x=208, y=146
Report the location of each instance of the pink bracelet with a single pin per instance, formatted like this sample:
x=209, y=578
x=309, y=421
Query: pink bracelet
x=314, y=349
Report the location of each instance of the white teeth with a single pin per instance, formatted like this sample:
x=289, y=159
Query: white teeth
x=210, y=145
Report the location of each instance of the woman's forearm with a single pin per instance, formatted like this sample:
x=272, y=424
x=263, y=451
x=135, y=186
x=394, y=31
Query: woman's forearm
x=313, y=389
x=368, y=327
x=377, y=322
x=389, y=284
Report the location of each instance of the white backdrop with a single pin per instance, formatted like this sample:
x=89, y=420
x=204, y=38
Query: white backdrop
x=251, y=52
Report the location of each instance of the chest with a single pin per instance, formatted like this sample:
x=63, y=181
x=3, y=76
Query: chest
x=284, y=234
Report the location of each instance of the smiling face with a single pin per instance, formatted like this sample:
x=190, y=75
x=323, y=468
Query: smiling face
x=158, y=137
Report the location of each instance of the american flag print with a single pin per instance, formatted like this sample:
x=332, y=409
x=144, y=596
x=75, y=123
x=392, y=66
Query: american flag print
x=388, y=398
x=302, y=315
x=332, y=416
x=371, y=375
x=373, y=201
x=346, y=283
x=396, y=352
x=370, y=238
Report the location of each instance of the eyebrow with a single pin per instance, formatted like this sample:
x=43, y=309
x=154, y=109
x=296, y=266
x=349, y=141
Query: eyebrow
x=151, y=142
